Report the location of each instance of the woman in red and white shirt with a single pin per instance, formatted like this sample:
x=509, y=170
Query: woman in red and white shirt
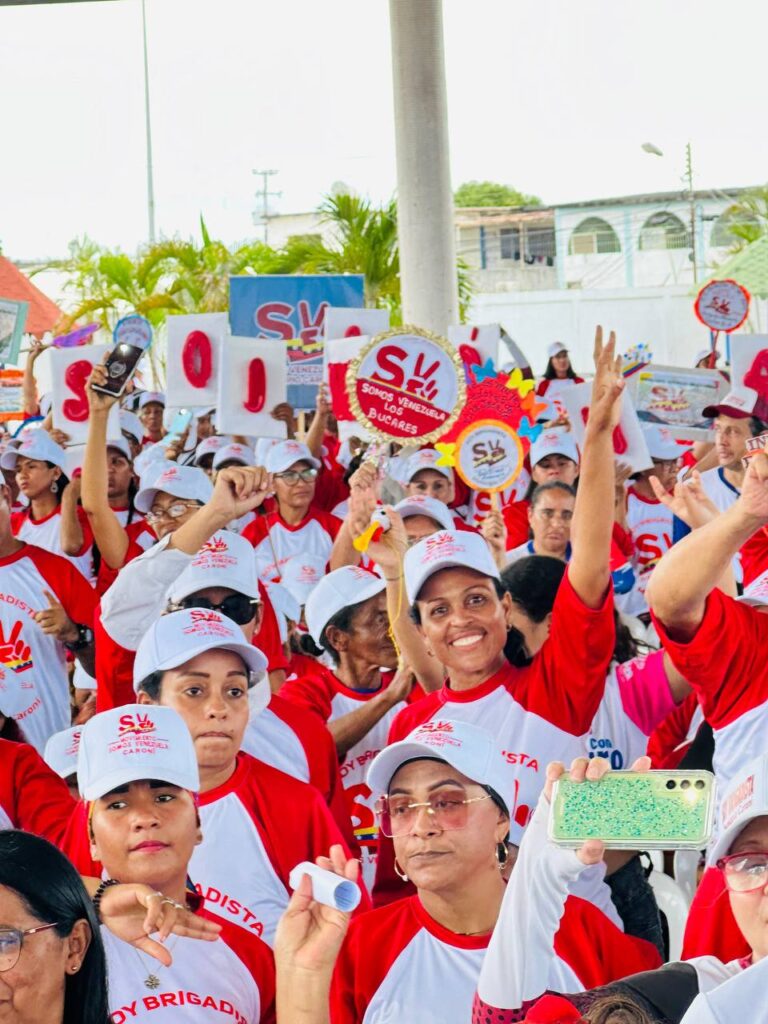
x=444, y=799
x=53, y=519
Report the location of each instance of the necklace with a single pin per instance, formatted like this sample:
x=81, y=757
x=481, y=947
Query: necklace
x=152, y=981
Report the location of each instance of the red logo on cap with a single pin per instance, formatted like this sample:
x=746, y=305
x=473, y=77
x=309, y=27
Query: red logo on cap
x=440, y=545
x=215, y=545
x=136, y=723
x=201, y=615
x=437, y=727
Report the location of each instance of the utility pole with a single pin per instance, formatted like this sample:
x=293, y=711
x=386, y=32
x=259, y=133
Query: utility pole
x=692, y=205
x=424, y=197
x=264, y=195
x=148, y=125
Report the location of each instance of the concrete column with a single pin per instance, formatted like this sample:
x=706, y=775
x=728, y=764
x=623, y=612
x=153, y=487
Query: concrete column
x=424, y=196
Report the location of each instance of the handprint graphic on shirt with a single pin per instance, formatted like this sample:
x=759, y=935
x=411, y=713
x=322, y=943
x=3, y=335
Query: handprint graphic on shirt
x=422, y=384
x=14, y=653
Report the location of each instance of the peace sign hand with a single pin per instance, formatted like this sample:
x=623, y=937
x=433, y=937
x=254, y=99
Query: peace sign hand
x=13, y=648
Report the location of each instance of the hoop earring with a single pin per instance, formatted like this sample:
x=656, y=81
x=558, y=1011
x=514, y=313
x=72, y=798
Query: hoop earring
x=502, y=855
x=399, y=872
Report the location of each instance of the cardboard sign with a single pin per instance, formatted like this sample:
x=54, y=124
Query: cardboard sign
x=722, y=305
x=70, y=369
x=676, y=397
x=252, y=382
x=628, y=441
x=339, y=353
x=11, y=394
x=406, y=385
x=749, y=362
x=489, y=456
x=482, y=340
x=290, y=310
x=194, y=347
x=13, y=316
x=352, y=323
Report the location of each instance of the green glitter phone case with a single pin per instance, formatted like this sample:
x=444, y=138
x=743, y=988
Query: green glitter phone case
x=660, y=810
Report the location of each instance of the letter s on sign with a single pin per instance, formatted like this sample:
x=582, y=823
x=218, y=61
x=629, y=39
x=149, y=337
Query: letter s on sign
x=257, y=386
x=197, y=359
x=75, y=376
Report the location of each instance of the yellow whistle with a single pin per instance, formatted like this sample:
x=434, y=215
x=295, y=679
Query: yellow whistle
x=361, y=543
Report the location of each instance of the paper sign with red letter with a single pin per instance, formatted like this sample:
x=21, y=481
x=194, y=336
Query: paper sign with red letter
x=489, y=455
x=70, y=369
x=194, y=343
x=407, y=385
x=749, y=365
x=350, y=323
x=481, y=339
x=628, y=441
x=252, y=382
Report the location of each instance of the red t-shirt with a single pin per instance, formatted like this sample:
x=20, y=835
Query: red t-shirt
x=516, y=521
x=45, y=533
x=32, y=796
x=140, y=537
x=275, y=541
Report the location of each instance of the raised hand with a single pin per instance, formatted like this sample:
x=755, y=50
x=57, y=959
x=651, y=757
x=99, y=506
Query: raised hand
x=98, y=402
x=607, y=385
x=239, y=490
x=754, y=489
x=54, y=621
x=689, y=502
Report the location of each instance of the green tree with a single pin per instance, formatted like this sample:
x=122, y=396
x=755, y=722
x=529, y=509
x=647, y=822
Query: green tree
x=491, y=193
x=745, y=220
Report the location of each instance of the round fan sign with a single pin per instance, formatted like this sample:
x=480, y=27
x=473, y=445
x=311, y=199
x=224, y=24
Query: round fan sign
x=722, y=305
x=407, y=385
x=133, y=330
x=489, y=455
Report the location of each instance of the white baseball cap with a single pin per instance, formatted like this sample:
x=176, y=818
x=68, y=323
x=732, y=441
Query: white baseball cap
x=37, y=444
x=284, y=454
x=704, y=353
x=225, y=560
x=235, y=453
x=739, y=403
x=423, y=505
x=131, y=424
x=341, y=588
x=121, y=445
x=285, y=607
x=61, y=751
x=132, y=743
x=263, y=447
x=181, y=481
x=555, y=441
x=426, y=458
x=745, y=798
x=300, y=574
x=152, y=455
x=756, y=593
x=151, y=396
x=446, y=550
x=176, y=638
x=210, y=446
x=468, y=748
x=661, y=444
x=555, y=348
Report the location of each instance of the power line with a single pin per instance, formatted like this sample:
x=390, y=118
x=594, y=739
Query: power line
x=264, y=196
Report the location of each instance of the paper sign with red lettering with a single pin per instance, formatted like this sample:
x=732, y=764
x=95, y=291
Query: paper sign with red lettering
x=489, y=455
x=476, y=343
x=339, y=353
x=628, y=440
x=194, y=343
x=722, y=305
x=341, y=322
x=252, y=382
x=406, y=385
x=70, y=368
x=749, y=365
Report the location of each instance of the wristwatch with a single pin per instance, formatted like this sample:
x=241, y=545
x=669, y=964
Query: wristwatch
x=84, y=639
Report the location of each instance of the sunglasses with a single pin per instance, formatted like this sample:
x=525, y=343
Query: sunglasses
x=292, y=476
x=238, y=607
x=447, y=810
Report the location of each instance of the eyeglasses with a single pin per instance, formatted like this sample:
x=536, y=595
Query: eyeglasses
x=448, y=811
x=564, y=515
x=175, y=511
x=744, y=872
x=237, y=607
x=11, y=940
x=666, y=463
x=292, y=476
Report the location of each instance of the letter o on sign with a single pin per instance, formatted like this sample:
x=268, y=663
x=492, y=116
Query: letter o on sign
x=197, y=358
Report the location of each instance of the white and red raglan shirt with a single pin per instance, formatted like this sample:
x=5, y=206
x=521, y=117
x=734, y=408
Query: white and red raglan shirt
x=539, y=713
x=649, y=526
x=331, y=699
x=32, y=796
x=275, y=541
x=231, y=979
x=46, y=534
x=637, y=699
x=257, y=827
x=32, y=663
x=534, y=949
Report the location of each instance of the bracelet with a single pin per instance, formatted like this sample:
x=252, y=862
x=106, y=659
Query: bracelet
x=393, y=579
x=96, y=899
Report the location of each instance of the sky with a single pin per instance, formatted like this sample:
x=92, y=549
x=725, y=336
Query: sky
x=550, y=96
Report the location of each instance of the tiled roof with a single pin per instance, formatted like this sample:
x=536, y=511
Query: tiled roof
x=43, y=313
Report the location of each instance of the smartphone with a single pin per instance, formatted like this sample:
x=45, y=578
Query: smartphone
x=181, y=420
x=657, y=810
x=133, y=336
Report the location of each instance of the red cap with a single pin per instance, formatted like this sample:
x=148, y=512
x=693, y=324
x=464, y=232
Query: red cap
x=553, y=1010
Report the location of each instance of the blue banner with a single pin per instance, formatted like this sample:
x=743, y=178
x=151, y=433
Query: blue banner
x=291, y=308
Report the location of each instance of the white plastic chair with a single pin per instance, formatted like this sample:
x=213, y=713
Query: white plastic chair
x=685, y=870
x=674, y=906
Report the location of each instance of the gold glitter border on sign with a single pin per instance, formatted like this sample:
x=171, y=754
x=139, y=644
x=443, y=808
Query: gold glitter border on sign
x=511, y=434
x=353, y=371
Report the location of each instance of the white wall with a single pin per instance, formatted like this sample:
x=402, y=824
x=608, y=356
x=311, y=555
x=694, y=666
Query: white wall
x=663, y=318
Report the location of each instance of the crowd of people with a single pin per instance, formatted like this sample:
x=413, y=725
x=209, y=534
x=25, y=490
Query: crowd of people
x=208, y=677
